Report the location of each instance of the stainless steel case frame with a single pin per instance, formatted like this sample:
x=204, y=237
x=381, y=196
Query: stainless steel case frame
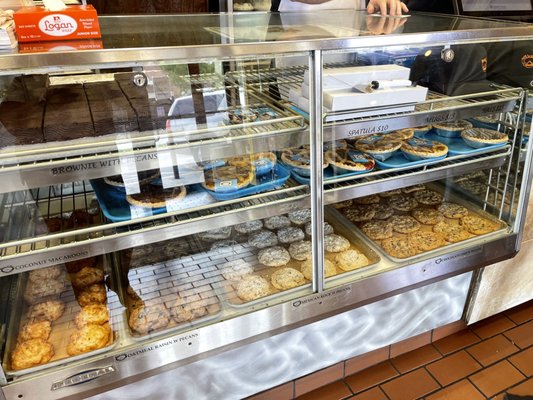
x=135, y=361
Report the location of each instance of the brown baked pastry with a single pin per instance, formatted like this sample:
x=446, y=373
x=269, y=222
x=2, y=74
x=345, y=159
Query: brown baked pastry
x=94, y=294
x=404, y=223
x=453, y=210
x=92, y=314
x=50, y=310
x=451, y=232
x=35, y=330
x=307, y=268
x=154, y=196
x=228, y=177
x=478, y=225
x=426, y=241
x=80, y=219
x=401, y=202
x=87, y=276
x=377, y=230
x=252, y=287
x=351, y=259
x=428, y=197
x=89, y=338
x=371, y=199
x=360, y=213
x=383, y=211
x=427, y=216
x=149, y=318
x=54, y=224
x=287, y=278
x=335, y=243
x=390, y=193
x=183, y=310
x=30, y=353
x=76, y=266
x=399, y=247
x=342, y=204
x=42, y=275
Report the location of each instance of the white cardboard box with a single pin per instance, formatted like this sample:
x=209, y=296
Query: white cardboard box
x=350, y=99
x=360, y=75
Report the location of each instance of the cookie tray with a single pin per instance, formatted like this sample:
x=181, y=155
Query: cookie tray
x=66, y=321
x=116, y=208
x=229, y=291
x=451, y=246
x=149, y=288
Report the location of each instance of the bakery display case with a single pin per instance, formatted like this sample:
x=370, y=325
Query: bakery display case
x=185, y=187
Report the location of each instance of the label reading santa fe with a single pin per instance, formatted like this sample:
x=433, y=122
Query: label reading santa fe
x=334, y=295
x=45, y=262
x=184, y=340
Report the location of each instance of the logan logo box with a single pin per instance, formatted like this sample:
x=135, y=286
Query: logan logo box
x=35, y=24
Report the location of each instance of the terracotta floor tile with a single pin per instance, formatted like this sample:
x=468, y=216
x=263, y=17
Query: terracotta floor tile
x=410, y=386
x=447, y=330
x=524, y=389
x=416, y=358
x=366, y=360
x=371, y=376
x=522, y=335
x=456, y=341
x=496, y=378
x=462, y=390
x=282, y=392
x=492, y=326
x=524, y=361
x=372, y=394
x=334, y=391
x=491, y=350
x=412, y=343
x=319, y=378
x=453, y=367
x=521, y=313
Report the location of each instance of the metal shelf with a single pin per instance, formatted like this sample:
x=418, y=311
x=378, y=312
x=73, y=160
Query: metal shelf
x=23, y=212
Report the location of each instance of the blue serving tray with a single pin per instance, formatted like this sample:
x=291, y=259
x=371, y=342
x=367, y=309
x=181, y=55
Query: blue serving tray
x=398, y=160
x=329, y=174
x=266, y=182
x=457, y=146
x=116, y=208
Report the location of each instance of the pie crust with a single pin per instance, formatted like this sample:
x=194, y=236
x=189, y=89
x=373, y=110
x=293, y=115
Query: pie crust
x=424, y=148
x=244, y=176
x=154, y=196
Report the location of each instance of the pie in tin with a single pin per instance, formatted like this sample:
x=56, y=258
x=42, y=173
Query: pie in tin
x=480, y=137
x=228, y=178
x=418, y=149
x=350, y=160
x=155, y=196
x=144, y=177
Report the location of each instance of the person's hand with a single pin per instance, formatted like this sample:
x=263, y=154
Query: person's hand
x=392, y=7
x=378, y=25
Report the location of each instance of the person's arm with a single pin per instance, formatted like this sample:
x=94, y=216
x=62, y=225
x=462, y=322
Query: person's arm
x=390, y=7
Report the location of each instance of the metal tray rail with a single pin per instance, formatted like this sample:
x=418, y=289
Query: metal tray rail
x=47, y=202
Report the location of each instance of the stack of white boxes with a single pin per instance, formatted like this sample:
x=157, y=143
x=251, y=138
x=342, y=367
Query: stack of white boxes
x=346, y=89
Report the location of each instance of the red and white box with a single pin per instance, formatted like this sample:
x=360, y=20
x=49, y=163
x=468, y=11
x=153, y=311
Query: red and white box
x=36, y=24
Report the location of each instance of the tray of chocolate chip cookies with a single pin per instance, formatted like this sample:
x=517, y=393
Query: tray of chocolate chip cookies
x=62, y=315
x=271, y=258
x=163, y=290
x=405, y=223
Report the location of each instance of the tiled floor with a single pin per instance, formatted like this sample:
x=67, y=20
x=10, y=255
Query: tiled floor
x=482, y=361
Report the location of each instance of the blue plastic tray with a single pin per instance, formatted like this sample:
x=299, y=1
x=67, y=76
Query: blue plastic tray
x=116, y=208
x=263, y=183
x=329, y=174
x=398, y=160
x=457, y=146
